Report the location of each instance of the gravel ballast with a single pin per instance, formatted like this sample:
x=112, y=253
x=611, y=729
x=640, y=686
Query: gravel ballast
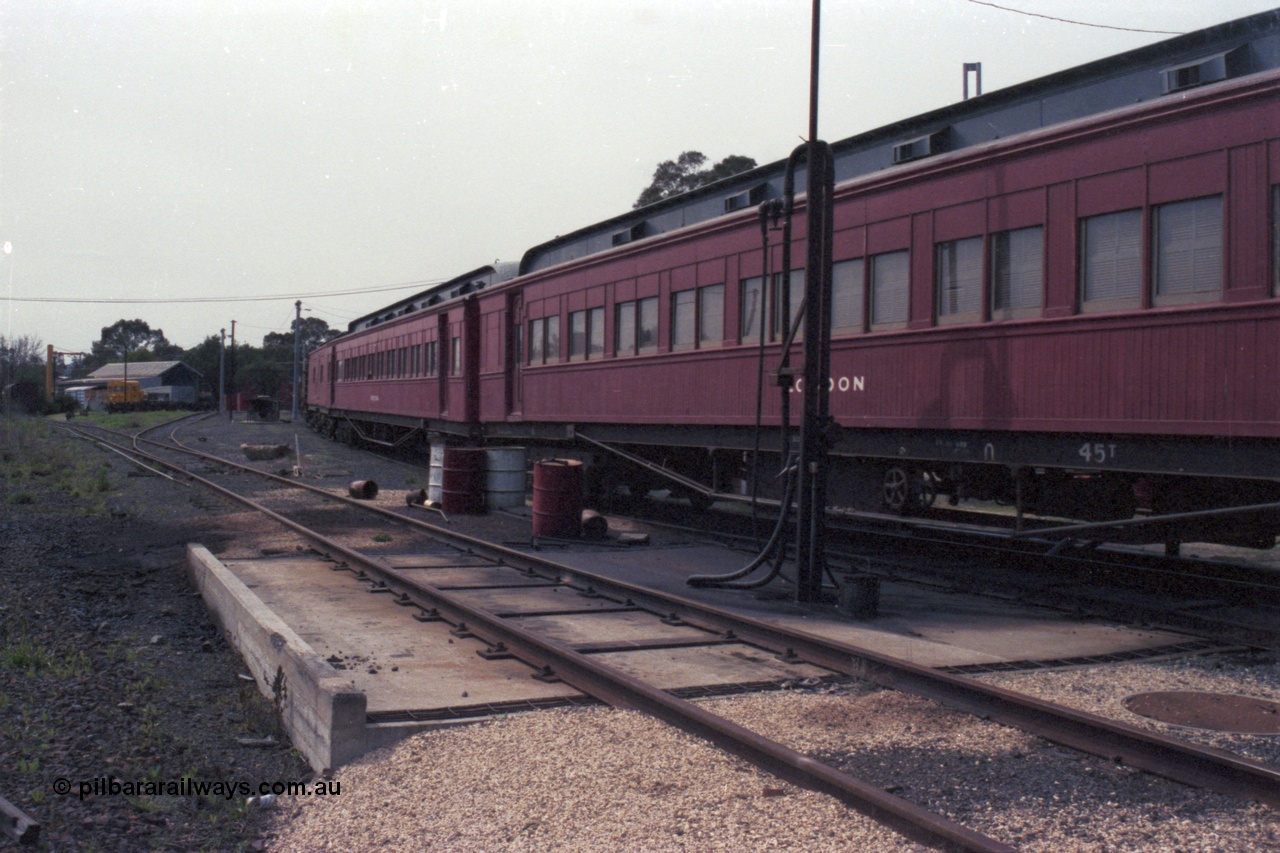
x=602, y=780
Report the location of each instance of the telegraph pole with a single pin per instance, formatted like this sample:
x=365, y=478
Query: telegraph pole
x=297, y=353
x=222, y=373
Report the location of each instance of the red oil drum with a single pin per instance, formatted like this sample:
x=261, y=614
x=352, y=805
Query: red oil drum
x=462, y=480
x=557, y=498
x=365, y=490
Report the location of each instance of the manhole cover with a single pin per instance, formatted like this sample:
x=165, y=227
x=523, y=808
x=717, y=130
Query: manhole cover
x=1222, y=712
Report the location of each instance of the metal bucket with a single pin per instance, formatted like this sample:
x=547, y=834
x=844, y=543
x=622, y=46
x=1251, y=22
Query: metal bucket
x=363, y=489
x=557, y=498
x=859, y=596
x=435, y=474
x=462, y=480
x=504, y=484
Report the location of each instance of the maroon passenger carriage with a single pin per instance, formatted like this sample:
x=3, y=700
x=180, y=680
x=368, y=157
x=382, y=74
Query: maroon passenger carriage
x=1062, y=295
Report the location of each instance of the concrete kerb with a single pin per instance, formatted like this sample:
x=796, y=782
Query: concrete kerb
x=322, y=712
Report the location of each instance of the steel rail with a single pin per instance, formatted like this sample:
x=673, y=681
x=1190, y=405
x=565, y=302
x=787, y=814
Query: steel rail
x=1204, y=767
x=620, y=690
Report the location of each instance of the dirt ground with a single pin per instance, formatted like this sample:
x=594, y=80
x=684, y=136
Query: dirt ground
x=126, y=722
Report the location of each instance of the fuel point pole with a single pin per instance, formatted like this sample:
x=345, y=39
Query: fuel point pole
x=815, y=426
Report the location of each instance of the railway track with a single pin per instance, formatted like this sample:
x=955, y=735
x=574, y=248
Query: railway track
x=684, y=623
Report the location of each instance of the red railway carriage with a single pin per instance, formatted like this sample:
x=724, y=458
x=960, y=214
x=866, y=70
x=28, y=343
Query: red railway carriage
x=1076, y=317
x=404, y=366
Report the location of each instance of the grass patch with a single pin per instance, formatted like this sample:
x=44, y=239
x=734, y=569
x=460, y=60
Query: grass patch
x=129, y=421
x=24, y=656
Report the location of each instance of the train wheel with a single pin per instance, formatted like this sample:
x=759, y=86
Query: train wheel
x=928, y=489
x=907, y=489
x=897, y=489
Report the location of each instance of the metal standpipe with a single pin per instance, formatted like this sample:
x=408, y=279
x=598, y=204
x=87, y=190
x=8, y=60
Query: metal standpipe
x=815, y=425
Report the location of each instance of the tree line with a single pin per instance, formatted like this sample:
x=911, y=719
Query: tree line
x=259, y=370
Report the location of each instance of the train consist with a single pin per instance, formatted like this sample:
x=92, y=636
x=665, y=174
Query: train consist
x=1063, y=296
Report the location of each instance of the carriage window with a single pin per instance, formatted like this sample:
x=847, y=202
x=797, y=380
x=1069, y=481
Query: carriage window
x=958, y=280
x=846, y=297
x=647, y=331
x=1187, y=251
x=537, y=337
x=455, y=358
x=595, y=333
x=1111, y=261
x=683, y=319
x=429, y=365
x=624, y=328
x=750, y=311
x=586, y=334
x=889, y=287
x=551, y=346
x=795, y=296
x=577, y=335
x=711, y=316
x=544, y=340
x=636, y=326
x=1017, y=273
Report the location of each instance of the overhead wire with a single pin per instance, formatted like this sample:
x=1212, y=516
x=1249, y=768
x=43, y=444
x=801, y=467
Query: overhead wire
x=196, y=300
x=1075, y=22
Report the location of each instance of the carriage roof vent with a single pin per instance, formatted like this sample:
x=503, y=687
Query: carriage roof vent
x=635, y=232
x=1207, y=69
x=922, y=146
x=750, y=198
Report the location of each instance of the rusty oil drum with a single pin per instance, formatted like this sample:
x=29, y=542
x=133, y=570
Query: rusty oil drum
x=557, y=498
x=365, y=490
x=462, y=480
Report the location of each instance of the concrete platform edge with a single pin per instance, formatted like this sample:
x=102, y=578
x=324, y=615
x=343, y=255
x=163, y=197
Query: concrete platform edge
x=323, y=714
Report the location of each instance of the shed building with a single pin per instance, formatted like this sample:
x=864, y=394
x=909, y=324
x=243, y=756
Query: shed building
x=170, y=381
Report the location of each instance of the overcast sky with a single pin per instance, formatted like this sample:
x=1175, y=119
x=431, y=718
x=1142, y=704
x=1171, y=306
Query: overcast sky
x=153, y=152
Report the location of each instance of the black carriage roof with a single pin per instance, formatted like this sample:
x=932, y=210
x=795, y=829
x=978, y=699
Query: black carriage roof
x=1233, y=49
x=468, y=282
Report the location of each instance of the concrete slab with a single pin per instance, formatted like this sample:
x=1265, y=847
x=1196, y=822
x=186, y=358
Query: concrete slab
x=396, y=661
x=333, y=653
x=924, y=626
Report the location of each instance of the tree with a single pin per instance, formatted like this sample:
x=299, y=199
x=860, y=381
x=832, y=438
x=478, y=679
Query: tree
x=685, y=173
x=21, y=358
x=134, y=338
x=260, y=372
x=314, y=332
x=204, y=358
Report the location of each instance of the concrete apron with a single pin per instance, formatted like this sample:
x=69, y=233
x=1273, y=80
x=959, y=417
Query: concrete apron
x=328, y=653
